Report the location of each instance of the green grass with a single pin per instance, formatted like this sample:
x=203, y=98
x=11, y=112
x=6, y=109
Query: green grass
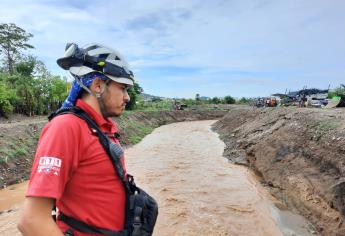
x=134, y=129
x=14, y=148
x=326, y=125
x=139, y=131
x=135, y=139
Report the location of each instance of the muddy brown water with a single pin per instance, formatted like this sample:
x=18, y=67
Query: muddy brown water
x=198, y=191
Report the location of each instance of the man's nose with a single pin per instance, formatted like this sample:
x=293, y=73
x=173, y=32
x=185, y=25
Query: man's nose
x=126, y=97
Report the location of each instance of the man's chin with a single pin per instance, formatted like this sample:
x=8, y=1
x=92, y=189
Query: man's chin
x=116, y=113
x=113, y=114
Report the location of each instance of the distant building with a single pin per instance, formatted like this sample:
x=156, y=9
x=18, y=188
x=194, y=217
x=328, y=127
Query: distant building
x=150, y=98
x=203, y=98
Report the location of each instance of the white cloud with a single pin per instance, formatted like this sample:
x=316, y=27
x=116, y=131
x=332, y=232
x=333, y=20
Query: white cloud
x=294, y=38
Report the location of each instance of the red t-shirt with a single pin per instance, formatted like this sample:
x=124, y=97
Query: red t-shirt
x=72, y=167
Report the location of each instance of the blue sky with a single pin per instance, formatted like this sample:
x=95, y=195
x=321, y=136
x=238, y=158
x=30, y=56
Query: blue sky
x=214, y=48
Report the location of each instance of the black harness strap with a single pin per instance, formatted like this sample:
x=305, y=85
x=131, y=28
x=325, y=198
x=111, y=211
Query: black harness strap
x=114, y=152
x=85, y=228
x=141, y=209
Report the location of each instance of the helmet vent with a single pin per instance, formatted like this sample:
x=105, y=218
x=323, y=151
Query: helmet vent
x=103, y=56
x=92, y=47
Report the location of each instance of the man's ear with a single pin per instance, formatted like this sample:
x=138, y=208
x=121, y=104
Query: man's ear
x=97, y=85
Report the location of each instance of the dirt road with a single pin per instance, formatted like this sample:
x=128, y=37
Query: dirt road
x=198, y=191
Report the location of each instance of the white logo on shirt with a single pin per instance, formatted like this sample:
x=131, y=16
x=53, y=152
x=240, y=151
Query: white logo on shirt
x=48, y=165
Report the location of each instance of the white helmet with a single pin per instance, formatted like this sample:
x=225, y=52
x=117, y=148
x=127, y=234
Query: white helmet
x=96, y=58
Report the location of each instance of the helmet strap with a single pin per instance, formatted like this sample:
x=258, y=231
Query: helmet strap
x=83, y=86
x=102, y=106
x=98, y=95
x=101, y=101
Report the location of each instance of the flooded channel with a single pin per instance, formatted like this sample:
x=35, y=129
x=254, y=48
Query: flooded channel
x=198, y=191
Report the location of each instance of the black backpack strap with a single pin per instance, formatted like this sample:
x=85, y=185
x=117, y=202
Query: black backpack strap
x=85, y=228
x=141, y=209
x=112, y=149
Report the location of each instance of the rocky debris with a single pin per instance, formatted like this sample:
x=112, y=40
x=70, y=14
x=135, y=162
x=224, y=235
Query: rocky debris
x=299, y=153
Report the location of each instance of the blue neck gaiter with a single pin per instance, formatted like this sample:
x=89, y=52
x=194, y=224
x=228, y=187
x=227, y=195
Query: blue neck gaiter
x=76, y=89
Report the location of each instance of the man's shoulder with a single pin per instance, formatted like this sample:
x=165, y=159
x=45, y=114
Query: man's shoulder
x=66, y=122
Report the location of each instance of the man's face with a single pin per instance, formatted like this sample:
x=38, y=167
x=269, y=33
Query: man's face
x=115, y=97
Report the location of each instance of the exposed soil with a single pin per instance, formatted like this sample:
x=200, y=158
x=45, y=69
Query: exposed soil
x=299, y=153
x=18, y=139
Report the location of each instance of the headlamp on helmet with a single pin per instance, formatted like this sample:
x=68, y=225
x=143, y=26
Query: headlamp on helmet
x=96, y=58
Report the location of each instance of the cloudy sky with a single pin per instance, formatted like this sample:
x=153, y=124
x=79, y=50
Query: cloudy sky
x=214, y=48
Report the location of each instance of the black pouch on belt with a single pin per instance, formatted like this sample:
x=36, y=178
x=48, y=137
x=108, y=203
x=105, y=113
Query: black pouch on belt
x=142, y=213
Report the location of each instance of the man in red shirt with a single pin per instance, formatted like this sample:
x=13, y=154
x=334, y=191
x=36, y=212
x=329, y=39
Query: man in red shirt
x=71, y=168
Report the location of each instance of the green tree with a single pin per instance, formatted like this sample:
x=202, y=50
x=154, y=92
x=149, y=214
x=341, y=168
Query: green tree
x=133, y=93
x=26, y=66
x=26, y=85
x=156, y=99
x=229, y=100
x=32, y=90
x=37, y=91
x=25, y=95
x=244, y=100
x=189, y=101
x=58, y=92
x=13, y=39
x=215, y=100
x=337, y=91
x=5, y=97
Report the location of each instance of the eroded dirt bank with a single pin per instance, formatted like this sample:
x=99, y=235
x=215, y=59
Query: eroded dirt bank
x=300, y=154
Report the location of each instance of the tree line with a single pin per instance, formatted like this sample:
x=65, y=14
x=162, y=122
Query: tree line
x=26, y=85
x=222, y=100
